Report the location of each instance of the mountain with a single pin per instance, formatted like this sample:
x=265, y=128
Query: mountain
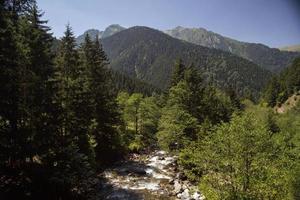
x=294, y=48
x=109, y=31
x=112, y=29
x=92, y=33
x=149, y=55
x=264, y=56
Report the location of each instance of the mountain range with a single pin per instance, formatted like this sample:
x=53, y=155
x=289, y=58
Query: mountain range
x=149, y=55
x=269, y=58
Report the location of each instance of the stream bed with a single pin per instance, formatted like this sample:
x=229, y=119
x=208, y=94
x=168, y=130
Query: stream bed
x=148, y=177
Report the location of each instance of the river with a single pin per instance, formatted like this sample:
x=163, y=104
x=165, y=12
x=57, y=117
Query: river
x=147, y=177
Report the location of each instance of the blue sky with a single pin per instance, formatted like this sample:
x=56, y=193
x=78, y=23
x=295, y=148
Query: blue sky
x=272, y=22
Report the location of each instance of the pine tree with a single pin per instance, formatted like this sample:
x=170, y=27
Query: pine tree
x=177, y=127
x=106, y=114
x=195, y=84
x=65, y=76
x=272, y=92
x=235, y=100
x=26, y=102
x=26, y=65
x=8, y=88
x=35, y=89
x=178, y=72
x=72, y=164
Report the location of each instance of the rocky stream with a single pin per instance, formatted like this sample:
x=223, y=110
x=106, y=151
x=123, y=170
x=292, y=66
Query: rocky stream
x=150, y=177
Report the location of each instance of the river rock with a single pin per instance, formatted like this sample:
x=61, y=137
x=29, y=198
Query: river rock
x=185, y=195
x=179, y=195
x=161, y=158
x=185, y=185
x=171, y=181
x=196, y=196
x=177, y=187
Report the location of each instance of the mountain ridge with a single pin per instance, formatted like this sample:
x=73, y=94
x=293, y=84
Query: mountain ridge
x=108, y=31
x=269, y=58
x=149, y=54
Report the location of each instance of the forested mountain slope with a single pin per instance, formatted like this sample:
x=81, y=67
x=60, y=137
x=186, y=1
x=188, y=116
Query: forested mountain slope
x=149, y=55
x=284, y=85
x=269, y=58
x=121, y=82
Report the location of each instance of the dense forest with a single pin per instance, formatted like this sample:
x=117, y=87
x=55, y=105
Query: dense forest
x=283, y=85
x=149, y=55
x=66, y=116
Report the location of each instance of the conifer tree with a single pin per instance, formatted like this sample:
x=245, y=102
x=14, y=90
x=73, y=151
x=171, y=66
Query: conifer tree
x=36, y=68
x=178, y=72
x=272, y=92
x=8, y=86
x=65, y=76
x=72, y=164
x=195, y=83
x=105, y=112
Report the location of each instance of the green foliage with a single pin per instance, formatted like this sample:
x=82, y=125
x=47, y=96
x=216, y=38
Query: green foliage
x=140, y=116
x=178, y=73
x=289, y=124
x=244, y=159
x=104, y=110
x=176, y=128
x=149, y=116
x=191, y=103
x=37, y=147
x=121, y=82
x=58, y=117
x=286, y=84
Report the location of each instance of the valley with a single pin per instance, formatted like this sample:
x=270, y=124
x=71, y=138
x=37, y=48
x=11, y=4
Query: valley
x=144, y=112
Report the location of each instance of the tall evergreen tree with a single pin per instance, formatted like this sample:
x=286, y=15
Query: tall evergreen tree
x=8, y=86
x=272, y=91
x=66, y=75
x=105, y=112
x=195, y=83
x=70, y=156
x=178, y=72
x=35, y=89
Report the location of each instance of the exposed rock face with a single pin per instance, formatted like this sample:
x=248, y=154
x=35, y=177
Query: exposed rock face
x=112, y=29
x=109, y=31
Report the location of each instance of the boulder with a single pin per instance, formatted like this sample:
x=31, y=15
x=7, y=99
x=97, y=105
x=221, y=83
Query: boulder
x=177, y=187
x=171, y=181
x=185, y=195
x=196, y=196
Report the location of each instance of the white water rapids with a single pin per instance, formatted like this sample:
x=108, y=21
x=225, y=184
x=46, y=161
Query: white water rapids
x=148, y=177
